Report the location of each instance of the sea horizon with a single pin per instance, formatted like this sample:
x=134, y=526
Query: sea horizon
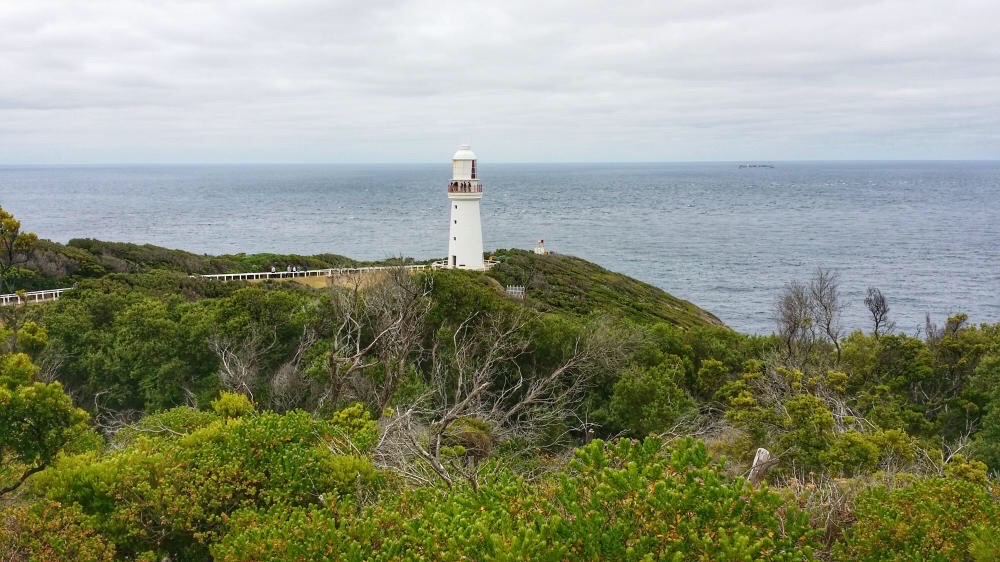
x=498, y=162
x=725, y=238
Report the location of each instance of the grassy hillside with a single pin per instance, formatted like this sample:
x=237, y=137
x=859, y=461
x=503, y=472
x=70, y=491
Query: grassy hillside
x=574, y=285
x=554, y=282
x=59, y=265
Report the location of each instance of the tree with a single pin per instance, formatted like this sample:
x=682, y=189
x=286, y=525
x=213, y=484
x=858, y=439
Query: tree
x=37, y=420
x=987, y=384
x=480, y=394
x=15, y=248
x=824, y=293
x=878, y=306
x=795, y=324
x=710, y=378
x=398, y=308
x=375, y=330
x=20, y=332
x=650, y=400
x=807, y=314
x=240, y=358
x=251, y=332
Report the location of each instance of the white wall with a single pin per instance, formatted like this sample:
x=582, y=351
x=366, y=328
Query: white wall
x=465, y=237
x=461, y=169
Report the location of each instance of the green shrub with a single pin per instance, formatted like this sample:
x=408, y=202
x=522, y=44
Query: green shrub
x=650, y=400
x=934, y=519
x=232, y=405
x=961, y=468
x=50, y=532
x=352, y=428
x=172, y=423
x=809, y=429
x=173, y=496
x=292, y=534
x=851, y=452
x=627, y=500
x=37, y=421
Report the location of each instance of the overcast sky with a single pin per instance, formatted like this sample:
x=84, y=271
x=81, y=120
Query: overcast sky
x=94, y=81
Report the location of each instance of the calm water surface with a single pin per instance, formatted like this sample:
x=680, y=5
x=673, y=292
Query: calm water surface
x=926, y=233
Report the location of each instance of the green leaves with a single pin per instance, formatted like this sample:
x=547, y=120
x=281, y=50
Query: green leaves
x=650, y=400
x=232, y=405
x=632, y=499
x=15, y=247
x=16, y=369
x=181, y=475
x=626, y=500
x=48, y=531
x=37, y=420
x=933, y=519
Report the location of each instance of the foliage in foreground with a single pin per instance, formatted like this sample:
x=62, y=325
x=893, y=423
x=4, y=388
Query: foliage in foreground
x=933, y=519
x=49, y=531
x=179, y=475
x=236, y=485
x=627, y=500
x=37, y=420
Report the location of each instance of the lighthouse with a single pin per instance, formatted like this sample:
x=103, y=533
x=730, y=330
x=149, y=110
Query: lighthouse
x=465, y=243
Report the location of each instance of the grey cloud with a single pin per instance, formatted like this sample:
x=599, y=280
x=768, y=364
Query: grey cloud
x=338, y=81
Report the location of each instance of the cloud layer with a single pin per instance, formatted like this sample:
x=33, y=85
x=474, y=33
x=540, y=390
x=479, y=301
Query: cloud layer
x=403, y=81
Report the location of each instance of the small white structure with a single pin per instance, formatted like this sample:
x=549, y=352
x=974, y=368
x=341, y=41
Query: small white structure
x=516, y=291
x=761, y=462
x=465, y=244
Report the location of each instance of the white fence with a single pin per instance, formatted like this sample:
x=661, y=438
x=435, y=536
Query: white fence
x=31, y=297
x=53, y=294
x=333, y=272
x=516, y=291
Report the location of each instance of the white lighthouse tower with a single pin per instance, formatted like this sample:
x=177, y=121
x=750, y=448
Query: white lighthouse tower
x=465, y=244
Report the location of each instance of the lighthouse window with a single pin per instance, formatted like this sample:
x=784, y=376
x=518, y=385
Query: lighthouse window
x=454, y=237
x=456, y=206
x=456, y=221
x=473, y=169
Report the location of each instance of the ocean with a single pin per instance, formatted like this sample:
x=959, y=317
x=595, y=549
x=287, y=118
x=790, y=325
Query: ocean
x=726, y=238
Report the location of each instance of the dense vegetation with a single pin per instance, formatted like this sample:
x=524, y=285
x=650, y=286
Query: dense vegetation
x=150, y=414
x=568, y=284
x=51, y=265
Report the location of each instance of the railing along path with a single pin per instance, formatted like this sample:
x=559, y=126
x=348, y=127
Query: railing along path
x=32, y=296
x=53, y=294
x=331, y=272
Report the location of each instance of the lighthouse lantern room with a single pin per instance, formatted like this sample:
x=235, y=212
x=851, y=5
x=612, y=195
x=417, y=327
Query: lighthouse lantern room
x=465, y=244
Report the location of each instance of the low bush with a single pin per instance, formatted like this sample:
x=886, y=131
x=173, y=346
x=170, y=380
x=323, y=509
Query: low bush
x=932, y=519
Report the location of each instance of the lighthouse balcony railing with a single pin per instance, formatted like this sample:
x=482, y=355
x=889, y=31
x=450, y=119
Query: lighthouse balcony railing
x=465, y=187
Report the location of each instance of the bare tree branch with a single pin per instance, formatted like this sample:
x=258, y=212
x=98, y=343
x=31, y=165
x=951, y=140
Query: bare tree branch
x=480, y=395
x=240, y=358
x=289, y=386
x=878, y=306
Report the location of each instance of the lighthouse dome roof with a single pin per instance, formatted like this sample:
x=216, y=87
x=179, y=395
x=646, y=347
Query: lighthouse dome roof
x=464, y=153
